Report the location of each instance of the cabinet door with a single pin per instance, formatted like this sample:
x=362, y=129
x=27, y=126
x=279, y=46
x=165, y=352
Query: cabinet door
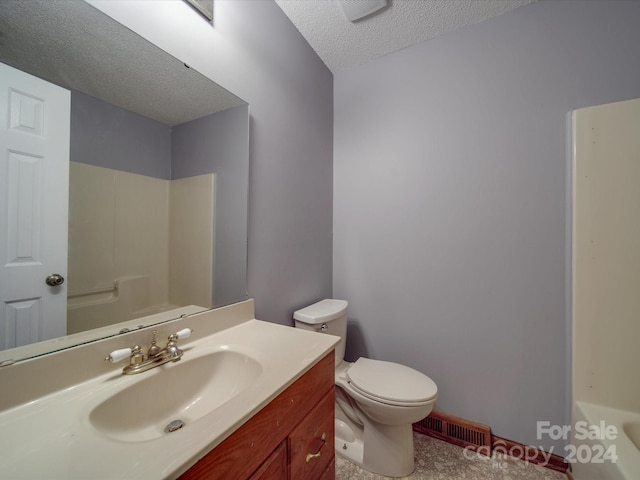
x=274, y=467
x=311, y=443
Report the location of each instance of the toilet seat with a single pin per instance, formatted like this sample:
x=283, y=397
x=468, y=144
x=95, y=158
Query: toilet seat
x=391, y=383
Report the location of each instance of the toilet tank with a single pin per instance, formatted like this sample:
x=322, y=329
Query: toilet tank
x=326, y=316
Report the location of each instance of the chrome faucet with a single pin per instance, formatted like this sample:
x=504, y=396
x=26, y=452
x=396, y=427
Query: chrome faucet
x=156, y=356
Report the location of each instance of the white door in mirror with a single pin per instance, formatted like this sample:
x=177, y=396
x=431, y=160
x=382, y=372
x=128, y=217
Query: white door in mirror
x=34, y=199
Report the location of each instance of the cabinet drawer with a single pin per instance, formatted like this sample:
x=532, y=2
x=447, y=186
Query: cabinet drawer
x=311, y=443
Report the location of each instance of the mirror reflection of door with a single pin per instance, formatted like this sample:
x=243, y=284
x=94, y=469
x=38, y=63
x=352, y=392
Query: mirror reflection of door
x=34, y=180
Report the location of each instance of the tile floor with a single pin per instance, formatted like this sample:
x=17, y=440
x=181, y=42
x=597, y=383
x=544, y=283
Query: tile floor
x=438, y=460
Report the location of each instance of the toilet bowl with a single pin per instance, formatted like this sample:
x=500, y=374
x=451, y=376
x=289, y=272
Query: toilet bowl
x=376, y=401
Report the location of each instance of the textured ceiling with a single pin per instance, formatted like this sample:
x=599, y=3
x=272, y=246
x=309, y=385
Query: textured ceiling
x=341, y=43
x=74, y=45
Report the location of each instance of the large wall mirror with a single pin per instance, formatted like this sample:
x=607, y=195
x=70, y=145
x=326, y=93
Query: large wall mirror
x=154, y=217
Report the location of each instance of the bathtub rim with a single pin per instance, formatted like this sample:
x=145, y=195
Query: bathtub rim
x=628, y=464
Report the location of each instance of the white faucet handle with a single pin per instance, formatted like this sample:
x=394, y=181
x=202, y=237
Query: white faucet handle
x=184, y=333
x=119, y=355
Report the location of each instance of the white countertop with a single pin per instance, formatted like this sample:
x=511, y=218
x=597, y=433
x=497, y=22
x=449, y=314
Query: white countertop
x=51, y=437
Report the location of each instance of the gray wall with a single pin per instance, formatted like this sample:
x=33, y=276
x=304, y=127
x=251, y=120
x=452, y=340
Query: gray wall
x=218, y=144
x=264, y=60
x=111, y=137
x=450, y=198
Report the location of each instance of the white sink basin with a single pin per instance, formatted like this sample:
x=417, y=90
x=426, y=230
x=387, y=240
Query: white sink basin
x=185, y=391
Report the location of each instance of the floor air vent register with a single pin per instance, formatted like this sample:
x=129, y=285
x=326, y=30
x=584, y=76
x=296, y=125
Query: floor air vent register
x=456, y=430
x=478, y=437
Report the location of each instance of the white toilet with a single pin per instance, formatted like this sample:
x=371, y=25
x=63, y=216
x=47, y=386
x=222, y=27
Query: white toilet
x=376, y=402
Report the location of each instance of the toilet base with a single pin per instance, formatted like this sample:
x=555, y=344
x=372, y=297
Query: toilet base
x=347, y=444
x=382, y=449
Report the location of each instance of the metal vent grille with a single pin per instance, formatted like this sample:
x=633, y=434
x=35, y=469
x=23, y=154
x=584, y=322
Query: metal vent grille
x=456, y=430
x=478, y=437
x=433, y=423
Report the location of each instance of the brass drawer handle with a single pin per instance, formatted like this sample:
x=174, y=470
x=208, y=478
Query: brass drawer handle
x=317, y=454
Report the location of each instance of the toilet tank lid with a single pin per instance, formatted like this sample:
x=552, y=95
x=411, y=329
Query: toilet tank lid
x=322, y=311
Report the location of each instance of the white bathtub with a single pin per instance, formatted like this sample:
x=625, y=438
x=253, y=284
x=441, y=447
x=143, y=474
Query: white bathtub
x=590, y=455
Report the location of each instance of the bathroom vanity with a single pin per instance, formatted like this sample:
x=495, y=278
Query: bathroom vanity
x=256, y=400
x=292, y=437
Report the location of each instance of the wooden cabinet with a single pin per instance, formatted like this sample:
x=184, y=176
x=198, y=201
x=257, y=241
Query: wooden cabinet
x=292, y=438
